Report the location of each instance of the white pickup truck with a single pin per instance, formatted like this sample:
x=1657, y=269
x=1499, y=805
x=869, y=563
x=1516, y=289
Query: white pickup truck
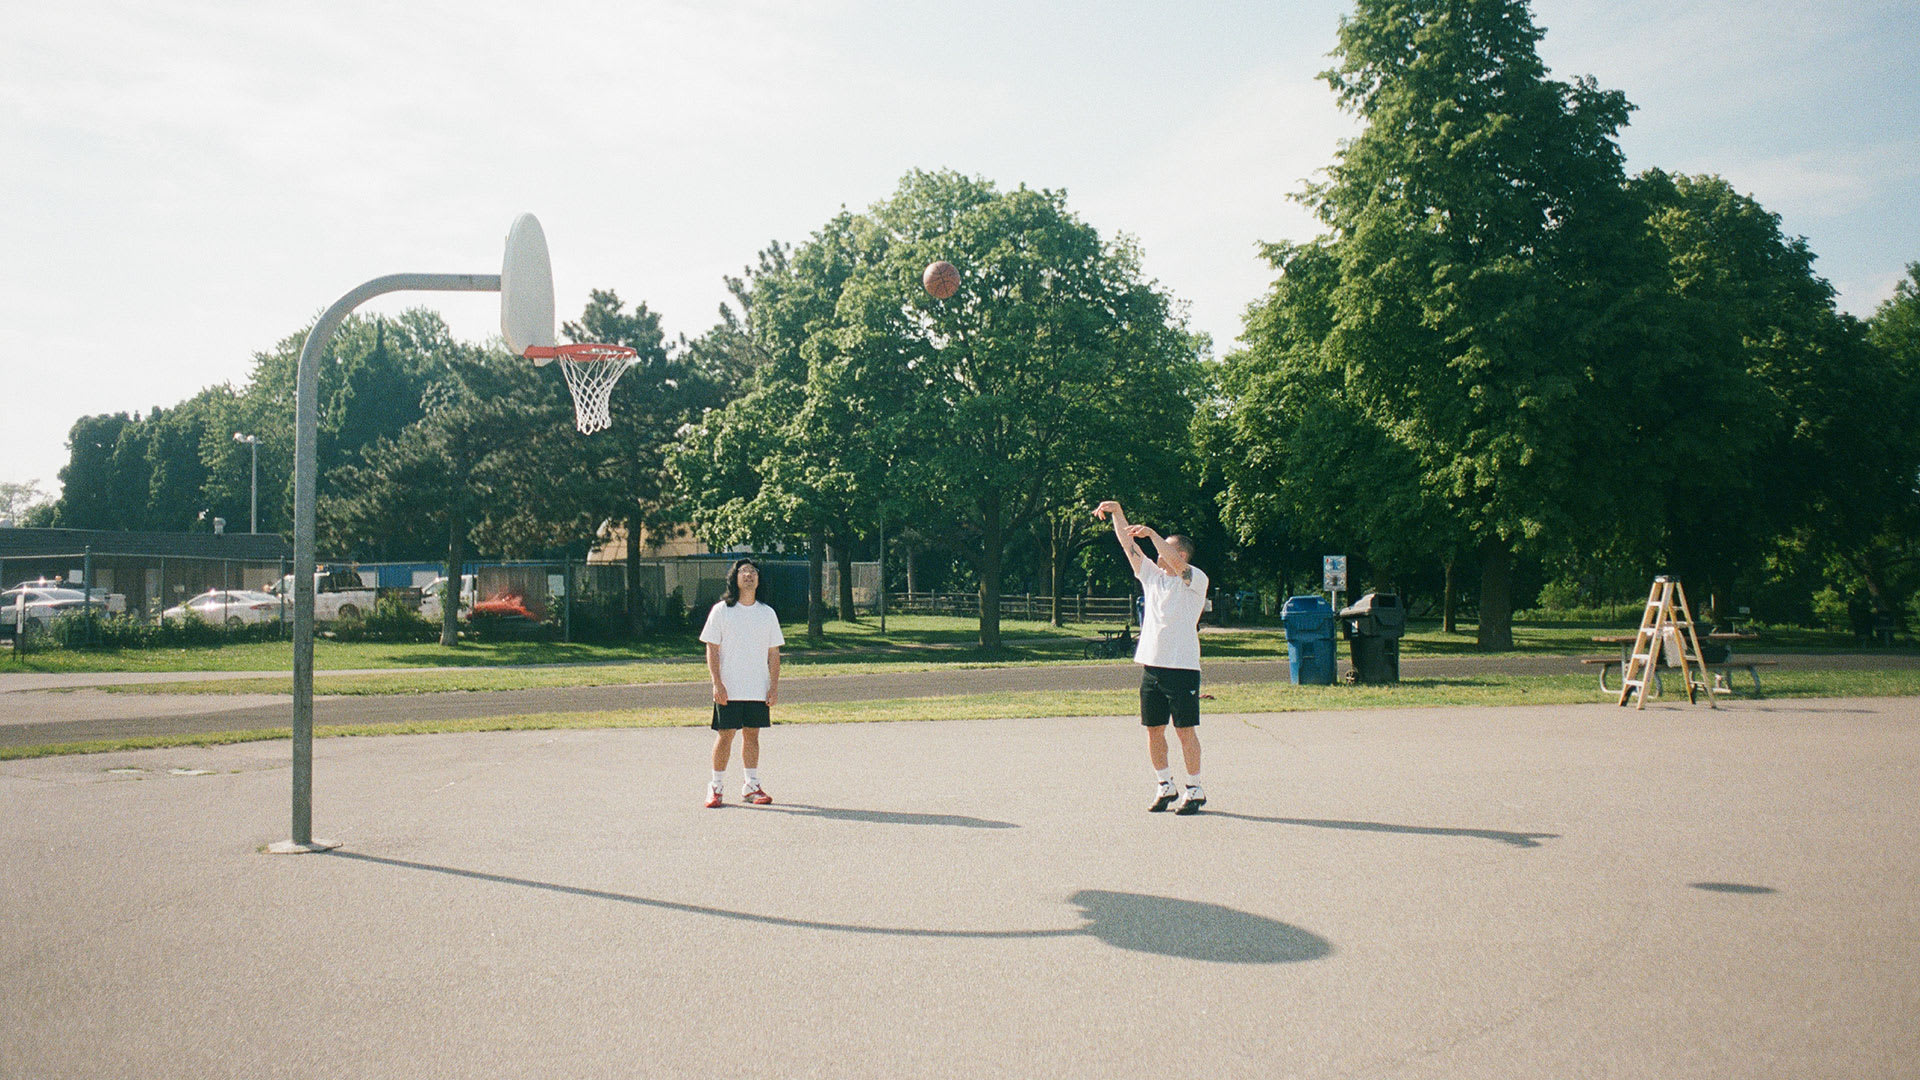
x=337, y=594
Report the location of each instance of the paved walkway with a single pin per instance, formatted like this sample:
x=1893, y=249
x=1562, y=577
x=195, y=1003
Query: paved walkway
x=1575, y=891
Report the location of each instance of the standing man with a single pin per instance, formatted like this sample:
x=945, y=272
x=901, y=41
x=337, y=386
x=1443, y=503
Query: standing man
x=743, y=655
x=1169, y=653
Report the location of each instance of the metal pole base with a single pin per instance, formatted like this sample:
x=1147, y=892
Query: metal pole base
x=295, y=847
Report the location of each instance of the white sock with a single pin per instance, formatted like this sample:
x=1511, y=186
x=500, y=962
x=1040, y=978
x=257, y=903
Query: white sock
x=753, y=778
x=719, y=779
x=1165, y=775
x=1194, y=780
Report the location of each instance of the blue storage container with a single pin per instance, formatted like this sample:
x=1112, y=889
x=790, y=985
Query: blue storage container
x=1310, y=636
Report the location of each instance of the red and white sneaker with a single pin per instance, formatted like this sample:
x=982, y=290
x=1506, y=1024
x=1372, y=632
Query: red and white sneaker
x=713, y=797
x=756, y=795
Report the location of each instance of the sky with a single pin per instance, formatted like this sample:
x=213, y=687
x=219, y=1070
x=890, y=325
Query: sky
x=184, y=185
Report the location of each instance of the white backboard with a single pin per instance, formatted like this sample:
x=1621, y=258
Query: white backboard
x=526, y=288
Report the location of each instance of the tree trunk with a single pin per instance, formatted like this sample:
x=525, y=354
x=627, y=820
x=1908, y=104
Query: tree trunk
x=636, y=609
x=1447, y=623
x=1053, y=567
x=1496, y=595
x=990, y=559
x=456, y=558
x=816, y=614
x=843, y=561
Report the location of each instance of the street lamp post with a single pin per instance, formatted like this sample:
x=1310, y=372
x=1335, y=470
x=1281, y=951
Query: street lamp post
x=253, y=443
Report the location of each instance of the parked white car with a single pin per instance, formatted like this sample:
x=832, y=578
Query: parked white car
x=38, y=606
x=111, y=602
x=430, y=608
x=227, y=607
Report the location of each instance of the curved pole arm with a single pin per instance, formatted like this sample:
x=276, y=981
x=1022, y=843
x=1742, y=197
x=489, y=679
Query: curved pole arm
x=305, y=482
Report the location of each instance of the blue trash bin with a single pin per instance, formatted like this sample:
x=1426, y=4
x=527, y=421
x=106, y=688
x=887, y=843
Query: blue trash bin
x=1310, y=636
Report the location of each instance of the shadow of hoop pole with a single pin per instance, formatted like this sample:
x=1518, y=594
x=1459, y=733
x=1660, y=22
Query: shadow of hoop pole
x=305, y=480
x=1133, y=921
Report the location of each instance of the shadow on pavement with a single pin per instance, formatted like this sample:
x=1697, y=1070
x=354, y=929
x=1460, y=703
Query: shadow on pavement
x=1730, y=887
x=884, y=817
x=1517, y=839
x=1193, y=931
x=1132, y=921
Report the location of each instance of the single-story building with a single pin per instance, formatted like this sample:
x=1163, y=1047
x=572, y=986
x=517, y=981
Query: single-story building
x=152, y=570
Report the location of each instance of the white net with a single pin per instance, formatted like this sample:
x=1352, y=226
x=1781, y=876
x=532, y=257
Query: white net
x=591, y=371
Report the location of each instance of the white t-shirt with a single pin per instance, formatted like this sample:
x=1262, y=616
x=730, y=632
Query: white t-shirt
x=1170, y=625
x=744, y=632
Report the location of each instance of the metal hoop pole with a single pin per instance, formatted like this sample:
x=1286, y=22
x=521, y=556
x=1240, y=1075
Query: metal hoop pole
x=305, y=480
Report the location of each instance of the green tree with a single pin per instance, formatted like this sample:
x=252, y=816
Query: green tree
x=1298, y=462
x=483, y=467
x=19, y=500
x=1895, y=327
x=975, y=418
x=1485, y=324
x=93, y=492
x=1054, y=363
x=623, y=468
x=778, y=465
x=1757, y=362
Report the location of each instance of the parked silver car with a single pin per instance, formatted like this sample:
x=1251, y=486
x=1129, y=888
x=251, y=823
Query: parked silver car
x=228, y=607
x=38, y=605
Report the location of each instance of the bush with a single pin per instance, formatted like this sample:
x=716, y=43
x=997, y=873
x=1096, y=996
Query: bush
x=80, y=630
x=392, y=619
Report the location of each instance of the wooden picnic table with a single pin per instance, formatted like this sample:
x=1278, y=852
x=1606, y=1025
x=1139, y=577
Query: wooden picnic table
x=1724, y=667
x=1625, y=641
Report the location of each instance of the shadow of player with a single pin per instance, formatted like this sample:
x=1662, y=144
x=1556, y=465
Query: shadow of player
x=883, y=817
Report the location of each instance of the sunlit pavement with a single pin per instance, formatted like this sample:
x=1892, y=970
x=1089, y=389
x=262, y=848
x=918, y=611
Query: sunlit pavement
x=1519, y=892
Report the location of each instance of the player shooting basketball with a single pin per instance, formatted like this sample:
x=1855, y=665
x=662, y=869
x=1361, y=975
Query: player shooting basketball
x=1169, y=653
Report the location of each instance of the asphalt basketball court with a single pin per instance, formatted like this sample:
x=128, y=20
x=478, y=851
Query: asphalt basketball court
x=1523, y=892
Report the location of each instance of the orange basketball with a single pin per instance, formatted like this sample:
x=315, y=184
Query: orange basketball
x=941, y=280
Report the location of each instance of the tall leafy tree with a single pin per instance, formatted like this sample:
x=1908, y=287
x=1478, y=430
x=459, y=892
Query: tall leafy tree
x=477, y=470
x=623, y=469
x=1757, y=363
x=1489, y=258
x=94, y=488
x=777, y=466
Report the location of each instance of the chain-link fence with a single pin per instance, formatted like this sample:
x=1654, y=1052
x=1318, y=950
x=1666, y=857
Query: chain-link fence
x=141, y=586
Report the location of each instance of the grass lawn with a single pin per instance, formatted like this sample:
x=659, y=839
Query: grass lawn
x=1477, y=691
x=911, y=642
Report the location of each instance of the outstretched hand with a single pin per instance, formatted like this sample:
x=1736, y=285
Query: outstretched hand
x=1106, y=509
x=1139, y=532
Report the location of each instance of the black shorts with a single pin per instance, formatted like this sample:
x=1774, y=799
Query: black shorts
x=1169, y=692
x=741, y=714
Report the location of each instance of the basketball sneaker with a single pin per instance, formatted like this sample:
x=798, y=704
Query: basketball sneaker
x=1164, y=797
x=1195, y=799
x=713, y=796
x=756, y=795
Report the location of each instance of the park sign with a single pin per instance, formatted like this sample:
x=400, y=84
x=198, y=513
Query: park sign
x=1333, y=574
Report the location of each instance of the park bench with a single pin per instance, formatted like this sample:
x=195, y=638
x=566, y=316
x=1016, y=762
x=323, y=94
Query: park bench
x=1724, y=670
x=1112, y=645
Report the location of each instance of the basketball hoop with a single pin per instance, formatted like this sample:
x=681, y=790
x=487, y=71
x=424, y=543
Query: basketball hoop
x=591, y=371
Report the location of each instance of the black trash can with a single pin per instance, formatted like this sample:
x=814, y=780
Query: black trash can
x=1373, y=625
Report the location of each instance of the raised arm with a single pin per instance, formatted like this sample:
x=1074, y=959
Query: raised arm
x=1121, y=531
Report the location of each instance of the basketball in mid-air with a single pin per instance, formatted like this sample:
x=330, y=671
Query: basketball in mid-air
x=941, y=279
